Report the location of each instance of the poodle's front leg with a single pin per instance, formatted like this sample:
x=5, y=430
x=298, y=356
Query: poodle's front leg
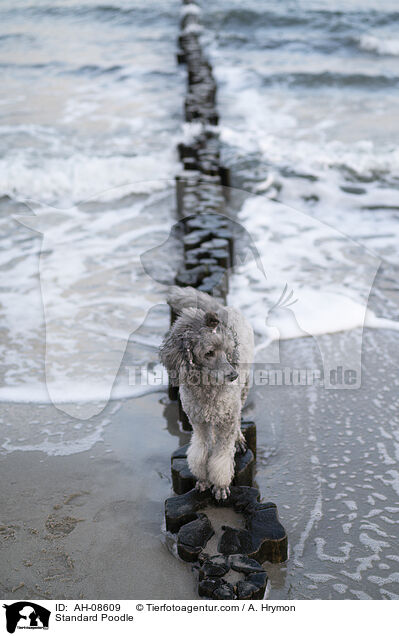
x=197, y=458
x=221, y=466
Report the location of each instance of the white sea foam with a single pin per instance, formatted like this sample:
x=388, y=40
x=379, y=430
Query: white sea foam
x=87, y=292
x=191, y=130
x=74, y=392
x=80, y=177
x=330, y=271
x=382, y=46
x=274, y=134
x=320, y=153
x=330, y=275
x=192, y=28
x=191, y=7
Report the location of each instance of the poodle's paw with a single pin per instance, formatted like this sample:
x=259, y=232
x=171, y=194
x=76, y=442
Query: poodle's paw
x=241, y=445
x=220, y=493
x=202, y=485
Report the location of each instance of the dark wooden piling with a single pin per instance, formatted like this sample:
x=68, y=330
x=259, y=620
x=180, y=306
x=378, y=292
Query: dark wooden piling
x=208, y=239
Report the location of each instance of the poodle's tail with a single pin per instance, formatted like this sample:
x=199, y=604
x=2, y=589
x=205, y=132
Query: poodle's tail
x=180, y=298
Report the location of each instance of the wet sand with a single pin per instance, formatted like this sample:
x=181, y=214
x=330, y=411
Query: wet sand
x=328, y=458
x=88, y=524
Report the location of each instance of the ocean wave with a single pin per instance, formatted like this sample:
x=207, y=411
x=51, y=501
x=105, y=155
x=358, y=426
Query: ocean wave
x=386, y=46
x=121, y=72
x=331, y=79
x=5, y=37
x=359, y=161
x=95, y=69
x=101, y=12
x=38, y=66
x=251, y=17
x=329, y=20
x=293, y=41
x=80, y=177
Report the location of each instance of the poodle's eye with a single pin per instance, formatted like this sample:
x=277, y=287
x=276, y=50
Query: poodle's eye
x=209, y=354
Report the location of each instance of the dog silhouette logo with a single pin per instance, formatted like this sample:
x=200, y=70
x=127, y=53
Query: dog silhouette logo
x=26, y=615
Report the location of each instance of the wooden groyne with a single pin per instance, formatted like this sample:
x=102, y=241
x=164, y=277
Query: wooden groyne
x=208, y=236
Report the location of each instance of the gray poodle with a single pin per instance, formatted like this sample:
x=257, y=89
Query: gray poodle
x=208, y=353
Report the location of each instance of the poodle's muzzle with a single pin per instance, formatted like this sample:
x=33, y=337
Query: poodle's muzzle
x=223, y=373
x=231, y=375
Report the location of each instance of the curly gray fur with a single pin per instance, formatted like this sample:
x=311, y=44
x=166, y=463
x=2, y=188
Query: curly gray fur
x=208, y=353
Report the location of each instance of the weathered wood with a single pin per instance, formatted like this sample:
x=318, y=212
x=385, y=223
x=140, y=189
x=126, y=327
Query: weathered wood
x=202, y=189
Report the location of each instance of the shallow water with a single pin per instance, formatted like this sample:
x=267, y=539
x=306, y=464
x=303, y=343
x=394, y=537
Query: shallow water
x=91, y=108
x=91, y=105
x=329, y=460
x=308, y=97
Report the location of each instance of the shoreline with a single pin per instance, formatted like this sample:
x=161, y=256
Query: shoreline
x=324, y=456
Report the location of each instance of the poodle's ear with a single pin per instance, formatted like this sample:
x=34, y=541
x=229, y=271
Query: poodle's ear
x=211, y=319
x=171, y=353
x=174, y=352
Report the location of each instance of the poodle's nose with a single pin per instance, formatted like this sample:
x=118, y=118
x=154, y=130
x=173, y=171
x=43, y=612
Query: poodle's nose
x=232, y=375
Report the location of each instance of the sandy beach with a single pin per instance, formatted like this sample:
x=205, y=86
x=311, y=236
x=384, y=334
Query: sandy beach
x=89, y=524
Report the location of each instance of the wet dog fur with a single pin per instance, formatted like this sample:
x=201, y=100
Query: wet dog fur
x=208, y=352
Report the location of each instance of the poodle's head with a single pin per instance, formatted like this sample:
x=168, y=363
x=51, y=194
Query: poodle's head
x=199, y=342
